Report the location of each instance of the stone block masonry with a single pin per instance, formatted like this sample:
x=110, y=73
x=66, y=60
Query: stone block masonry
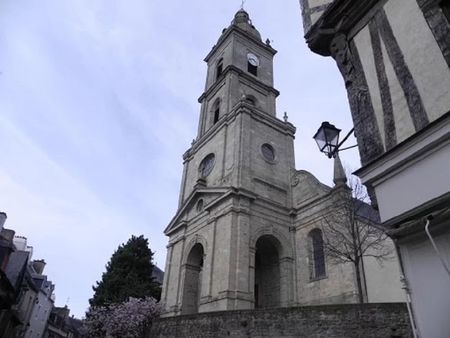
x=382, y=320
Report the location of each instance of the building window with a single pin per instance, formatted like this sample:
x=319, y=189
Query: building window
x=207, y=165
x=252, y=64
x=252, y=69
x=200, y=205
x=268, y=152
x=445, y=6
x=219, y=68
x=317, y=254
x=216, y=115
x=216, y=111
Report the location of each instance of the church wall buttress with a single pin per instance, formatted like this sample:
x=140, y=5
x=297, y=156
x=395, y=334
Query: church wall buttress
x=211, y=259
x=234, y=251
x=243, y=256
x=221, y=265
x=172, y=277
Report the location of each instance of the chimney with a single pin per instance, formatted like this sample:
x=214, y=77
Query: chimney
x=2, y=220
x=20, y=242
x=8, y=234
x=39, y=266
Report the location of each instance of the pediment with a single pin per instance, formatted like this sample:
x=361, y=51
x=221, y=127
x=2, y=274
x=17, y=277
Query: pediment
x=306, y=187
x=188, y=209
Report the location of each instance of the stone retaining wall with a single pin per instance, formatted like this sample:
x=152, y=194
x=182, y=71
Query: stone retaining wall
x=387, y=320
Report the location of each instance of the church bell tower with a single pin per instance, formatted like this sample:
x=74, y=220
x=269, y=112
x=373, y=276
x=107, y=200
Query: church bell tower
x=229, y=235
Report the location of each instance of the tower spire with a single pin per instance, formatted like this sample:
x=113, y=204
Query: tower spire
x=339, y=173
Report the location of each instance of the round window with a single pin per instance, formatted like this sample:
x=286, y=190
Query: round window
x=207, y=165
x=268, y=152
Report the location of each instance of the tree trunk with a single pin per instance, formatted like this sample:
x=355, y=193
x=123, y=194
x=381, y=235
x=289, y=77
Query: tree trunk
x=359, y=282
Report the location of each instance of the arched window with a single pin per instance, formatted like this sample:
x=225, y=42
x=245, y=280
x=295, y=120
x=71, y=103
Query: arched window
x=216, y=111
x=317, y=254
x=200, y=205
x=219, y=68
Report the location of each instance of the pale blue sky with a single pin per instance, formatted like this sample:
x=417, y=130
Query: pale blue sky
x=98, y=101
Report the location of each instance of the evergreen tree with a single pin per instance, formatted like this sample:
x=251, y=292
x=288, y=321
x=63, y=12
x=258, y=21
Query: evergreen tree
x=128, y=274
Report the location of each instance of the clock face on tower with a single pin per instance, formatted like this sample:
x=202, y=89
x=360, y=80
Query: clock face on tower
x=253, y=59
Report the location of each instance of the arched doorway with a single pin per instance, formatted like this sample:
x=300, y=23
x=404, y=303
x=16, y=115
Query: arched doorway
x=267, y=272
x=192, y=280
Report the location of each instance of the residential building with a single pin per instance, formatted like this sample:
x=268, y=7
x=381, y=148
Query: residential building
x=394, y=56
x=25, y=293
x=43, y=303
x=61, y=325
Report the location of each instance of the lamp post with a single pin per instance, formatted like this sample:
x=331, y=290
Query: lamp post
x=327, y=138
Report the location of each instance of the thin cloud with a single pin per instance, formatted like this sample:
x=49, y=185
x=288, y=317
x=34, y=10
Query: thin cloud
x=98, y=103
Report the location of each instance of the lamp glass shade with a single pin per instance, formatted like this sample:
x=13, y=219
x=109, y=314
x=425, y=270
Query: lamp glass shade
x=327, y=138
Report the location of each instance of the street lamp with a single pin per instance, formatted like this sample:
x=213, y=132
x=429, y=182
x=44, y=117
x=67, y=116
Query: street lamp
x=327, y=138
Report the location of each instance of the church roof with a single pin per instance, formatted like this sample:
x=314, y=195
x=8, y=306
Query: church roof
x=242, y=24
x=242, y=20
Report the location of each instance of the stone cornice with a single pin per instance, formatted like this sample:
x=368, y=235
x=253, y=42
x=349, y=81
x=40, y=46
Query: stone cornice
x=341, y=16
x=227, y=192
x=231, y=68
x=243, y=33
x=242, y=107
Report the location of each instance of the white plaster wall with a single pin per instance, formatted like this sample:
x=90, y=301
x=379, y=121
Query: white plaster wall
x=414, y=185
x=423, y=58
x=314, y=3
x=383, y=278
x=429, y=283
x=404, y=126
x=364, y=46
x=422, y=55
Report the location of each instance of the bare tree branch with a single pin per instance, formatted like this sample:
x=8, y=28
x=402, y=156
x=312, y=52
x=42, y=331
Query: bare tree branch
x=350, y=230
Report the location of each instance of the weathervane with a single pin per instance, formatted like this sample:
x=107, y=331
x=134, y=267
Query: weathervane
x=242, y=4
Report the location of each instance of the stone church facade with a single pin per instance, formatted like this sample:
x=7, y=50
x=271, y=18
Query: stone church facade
x=247, y=231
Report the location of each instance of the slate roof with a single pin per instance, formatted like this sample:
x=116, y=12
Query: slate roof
x=16, y=267
x=366, y=211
